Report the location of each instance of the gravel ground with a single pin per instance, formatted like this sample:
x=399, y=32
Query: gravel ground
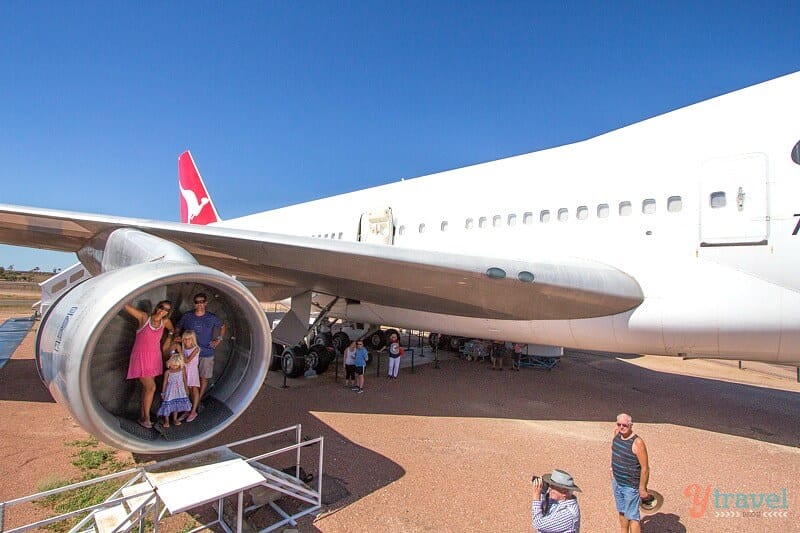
x=453, y=449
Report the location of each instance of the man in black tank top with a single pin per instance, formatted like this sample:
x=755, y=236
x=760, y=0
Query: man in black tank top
x=631, y=471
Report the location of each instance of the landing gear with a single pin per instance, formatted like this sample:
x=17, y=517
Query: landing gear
x=376, y=341
x=341, y=341
x=319, y=358
x=294, y=361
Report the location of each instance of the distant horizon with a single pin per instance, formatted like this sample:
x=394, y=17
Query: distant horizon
x=34, y=270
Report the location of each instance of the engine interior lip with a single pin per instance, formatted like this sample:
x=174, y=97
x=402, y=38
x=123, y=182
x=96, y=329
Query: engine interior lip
x=104, y=423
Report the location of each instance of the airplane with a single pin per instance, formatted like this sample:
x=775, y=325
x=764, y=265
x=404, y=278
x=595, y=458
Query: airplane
x=675, y=236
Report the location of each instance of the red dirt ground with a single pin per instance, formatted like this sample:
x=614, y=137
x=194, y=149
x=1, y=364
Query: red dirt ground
x=453, y=449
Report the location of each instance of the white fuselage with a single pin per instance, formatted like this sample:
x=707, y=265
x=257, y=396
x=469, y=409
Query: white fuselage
x=697, y=205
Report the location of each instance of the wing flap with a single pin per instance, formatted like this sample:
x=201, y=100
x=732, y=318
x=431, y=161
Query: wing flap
x=438, y=282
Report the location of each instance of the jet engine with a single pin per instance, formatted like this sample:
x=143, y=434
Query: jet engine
x=84, y=343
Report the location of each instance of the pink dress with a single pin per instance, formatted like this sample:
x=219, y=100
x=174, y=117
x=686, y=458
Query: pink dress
x=192, y=373
x=146, y=359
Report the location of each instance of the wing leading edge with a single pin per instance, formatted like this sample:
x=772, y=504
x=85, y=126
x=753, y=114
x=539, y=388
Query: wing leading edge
x=464, y=285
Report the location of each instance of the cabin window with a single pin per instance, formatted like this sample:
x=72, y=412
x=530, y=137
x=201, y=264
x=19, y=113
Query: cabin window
x=468, y=223
x=563, y=214
x=674, y=204
x=602, y=211
x=717, y=199
x=512, y=220
x=326, y=235
x=482, y=222
x=796, y=153
x=496, y=221
x=444, y=225
x=527, y=218
x=401, y=230
x=625, y=209
x=340, y=235
x=544, y=216
x=582, y=213
x=648, y=206
x=422, y=228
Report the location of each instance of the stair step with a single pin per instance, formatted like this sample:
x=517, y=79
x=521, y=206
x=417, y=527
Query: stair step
x=109, y=519
x=141, y=492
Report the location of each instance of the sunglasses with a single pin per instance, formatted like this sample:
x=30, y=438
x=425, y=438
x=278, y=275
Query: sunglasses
x=162, y=308
x=199, y=301
x=623, y=425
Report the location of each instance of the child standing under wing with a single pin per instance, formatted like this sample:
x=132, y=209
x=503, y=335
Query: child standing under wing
x=174, y=393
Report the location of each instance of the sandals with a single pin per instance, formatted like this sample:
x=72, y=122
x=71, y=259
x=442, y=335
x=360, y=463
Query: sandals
x=144, y=424
x=191, y=417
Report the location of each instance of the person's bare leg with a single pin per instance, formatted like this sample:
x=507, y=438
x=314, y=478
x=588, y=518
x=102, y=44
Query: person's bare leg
x=195, y=394
x=623, y=523
x=635, y=526
x=148, y=391
x=203, y=385
x=166, y=421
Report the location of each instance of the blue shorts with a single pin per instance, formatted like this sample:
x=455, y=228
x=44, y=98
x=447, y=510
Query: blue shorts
x=627, y=499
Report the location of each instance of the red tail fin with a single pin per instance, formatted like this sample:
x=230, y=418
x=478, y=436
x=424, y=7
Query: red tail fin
x=196, y=204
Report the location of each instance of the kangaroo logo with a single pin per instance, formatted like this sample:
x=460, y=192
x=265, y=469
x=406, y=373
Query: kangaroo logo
x=193, y=205
x=196, y=206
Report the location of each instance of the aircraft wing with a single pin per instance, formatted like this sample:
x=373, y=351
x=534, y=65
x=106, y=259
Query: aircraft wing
x=465, y=285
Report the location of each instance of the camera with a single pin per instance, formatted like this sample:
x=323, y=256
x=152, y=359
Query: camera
x=545, y=486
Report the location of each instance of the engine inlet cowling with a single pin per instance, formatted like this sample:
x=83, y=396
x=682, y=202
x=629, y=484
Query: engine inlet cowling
x=84, y=343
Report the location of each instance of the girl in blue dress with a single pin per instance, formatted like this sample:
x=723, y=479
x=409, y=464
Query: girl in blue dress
x=174, y=393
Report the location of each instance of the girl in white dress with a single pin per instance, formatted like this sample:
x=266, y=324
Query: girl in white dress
x=191, y=352
x=174, y=393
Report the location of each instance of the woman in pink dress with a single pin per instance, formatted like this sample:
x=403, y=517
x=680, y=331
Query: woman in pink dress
x=146, y=356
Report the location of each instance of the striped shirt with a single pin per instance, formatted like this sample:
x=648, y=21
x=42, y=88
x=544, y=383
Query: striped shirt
x=563, y=516
x=624, y=463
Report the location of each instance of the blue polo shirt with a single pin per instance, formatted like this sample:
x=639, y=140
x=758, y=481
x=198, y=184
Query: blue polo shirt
x=203, y=327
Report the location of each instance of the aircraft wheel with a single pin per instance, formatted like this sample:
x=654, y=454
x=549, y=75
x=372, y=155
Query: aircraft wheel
x=341, y=341
x=321, y=357
x=294, y=361
x=323, y=339
x=436, y=340
x=376, y=341
x=454, y=343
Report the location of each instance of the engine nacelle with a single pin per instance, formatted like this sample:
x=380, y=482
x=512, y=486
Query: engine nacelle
x=84, y=343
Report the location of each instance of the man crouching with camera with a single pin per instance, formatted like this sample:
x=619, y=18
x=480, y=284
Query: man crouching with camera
x=555, y=508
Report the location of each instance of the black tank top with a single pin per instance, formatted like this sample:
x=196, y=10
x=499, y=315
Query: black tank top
x=624, y=463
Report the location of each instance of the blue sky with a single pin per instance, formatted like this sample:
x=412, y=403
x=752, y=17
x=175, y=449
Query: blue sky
x=283, y=102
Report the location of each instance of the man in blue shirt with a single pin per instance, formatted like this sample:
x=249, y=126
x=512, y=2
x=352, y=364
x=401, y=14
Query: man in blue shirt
x=361, y=365
x=209, y=329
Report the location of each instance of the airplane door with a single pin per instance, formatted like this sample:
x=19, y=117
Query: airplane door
x=377, y=226
x=733, y=201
